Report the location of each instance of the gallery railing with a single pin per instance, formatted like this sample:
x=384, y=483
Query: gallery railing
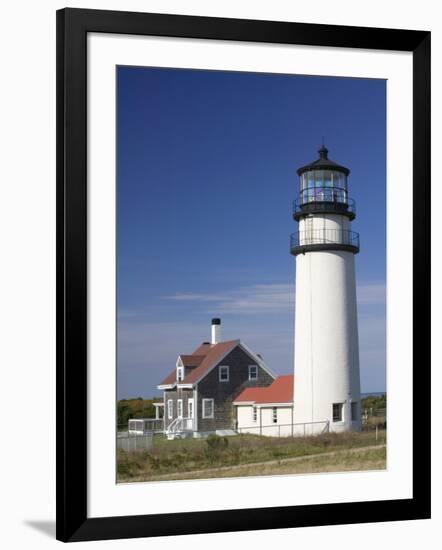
x=324, y=199
x=324, y=239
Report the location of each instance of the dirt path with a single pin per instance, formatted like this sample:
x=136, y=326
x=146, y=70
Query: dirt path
x=236, y=467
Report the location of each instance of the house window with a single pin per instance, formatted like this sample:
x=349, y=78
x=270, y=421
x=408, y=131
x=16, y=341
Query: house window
x=179, y=374
x=223, y=373
x=253, y=372
x=254, y=414
x=337, y=412
x=275, y=415
x=208, y=408
x=179, y=408
x=170, y=408
x=354, y=411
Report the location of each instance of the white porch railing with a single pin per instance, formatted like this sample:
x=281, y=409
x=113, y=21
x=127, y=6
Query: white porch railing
x=140, y=426
x=180, y=426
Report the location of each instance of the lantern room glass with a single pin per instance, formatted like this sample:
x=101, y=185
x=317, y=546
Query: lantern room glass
x=323, y=186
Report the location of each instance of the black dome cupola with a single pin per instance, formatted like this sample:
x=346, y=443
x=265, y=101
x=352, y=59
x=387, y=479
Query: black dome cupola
x=323, y=188
x=323, y=163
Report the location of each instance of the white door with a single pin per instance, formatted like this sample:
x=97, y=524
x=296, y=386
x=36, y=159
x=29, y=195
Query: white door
x=190, y=413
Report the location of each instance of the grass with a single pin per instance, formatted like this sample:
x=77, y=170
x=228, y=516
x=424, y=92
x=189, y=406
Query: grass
x=340, y=461
x=247, y=454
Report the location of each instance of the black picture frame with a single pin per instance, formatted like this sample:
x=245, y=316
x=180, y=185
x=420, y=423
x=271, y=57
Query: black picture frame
x=73, y=25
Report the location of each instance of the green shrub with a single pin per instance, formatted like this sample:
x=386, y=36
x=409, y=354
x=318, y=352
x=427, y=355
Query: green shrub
x=215, y=447
x=217, y=443
x=123, y=469
x=278, y=453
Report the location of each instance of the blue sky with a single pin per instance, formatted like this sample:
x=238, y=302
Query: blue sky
x=206, y=177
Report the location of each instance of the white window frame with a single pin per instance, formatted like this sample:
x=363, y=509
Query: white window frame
x=205, y=401
x=254, y=414
x=179, y=408
x=275, y=415
x=170, y=409
x=341, y=411
x=220, y=370
x=250, y=372
x=180, y=374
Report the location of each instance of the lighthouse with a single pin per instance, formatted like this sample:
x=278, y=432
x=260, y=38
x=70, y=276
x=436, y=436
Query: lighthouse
x=327, y=382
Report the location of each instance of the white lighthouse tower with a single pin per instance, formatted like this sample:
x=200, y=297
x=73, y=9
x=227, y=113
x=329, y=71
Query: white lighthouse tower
x=327, y=384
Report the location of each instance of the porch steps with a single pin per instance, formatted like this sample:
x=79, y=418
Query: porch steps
x=180, y=428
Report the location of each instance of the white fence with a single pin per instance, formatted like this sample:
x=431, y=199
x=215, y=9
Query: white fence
x=130, y=443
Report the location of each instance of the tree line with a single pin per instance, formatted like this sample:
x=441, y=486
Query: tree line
x=374, y=402
x=136, y=407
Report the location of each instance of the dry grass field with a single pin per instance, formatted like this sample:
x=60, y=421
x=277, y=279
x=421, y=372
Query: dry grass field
x=250, y=455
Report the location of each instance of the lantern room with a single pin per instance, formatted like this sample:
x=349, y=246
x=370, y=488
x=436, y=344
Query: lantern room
x=323, y=189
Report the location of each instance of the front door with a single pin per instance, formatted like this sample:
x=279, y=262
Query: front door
x=190, y=411
x=190, y=408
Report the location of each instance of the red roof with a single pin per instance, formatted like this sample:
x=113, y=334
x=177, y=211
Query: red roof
x=280, y=391
x=207, y=356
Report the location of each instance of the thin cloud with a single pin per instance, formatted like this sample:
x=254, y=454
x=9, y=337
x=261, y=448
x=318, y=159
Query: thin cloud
x=266, y=298
x=263, y=298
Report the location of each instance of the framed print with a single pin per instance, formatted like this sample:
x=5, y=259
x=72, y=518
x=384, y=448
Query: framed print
x=243, y=293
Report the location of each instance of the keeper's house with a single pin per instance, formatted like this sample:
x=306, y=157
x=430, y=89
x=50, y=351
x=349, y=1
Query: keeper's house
x=199, y=393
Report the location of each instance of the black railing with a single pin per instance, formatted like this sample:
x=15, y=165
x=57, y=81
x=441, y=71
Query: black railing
x=324, y=199
x=324, y=239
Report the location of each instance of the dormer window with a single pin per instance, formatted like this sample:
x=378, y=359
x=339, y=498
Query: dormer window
x=224, y=373
x=179, y=369
x=253, y=372
x=179, y=374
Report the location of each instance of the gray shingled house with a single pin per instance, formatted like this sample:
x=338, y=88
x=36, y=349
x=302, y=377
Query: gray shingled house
x=199, y=392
